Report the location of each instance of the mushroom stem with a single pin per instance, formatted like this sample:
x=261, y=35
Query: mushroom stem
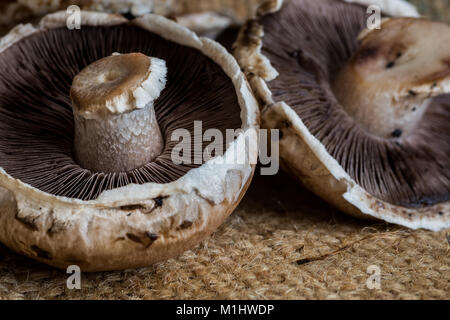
x=390, y=81
x=116, y=129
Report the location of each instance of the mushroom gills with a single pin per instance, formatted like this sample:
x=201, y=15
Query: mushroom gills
x=387, y=123
x=37, y=131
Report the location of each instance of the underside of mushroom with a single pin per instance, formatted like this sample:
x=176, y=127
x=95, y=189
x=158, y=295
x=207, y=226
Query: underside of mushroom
x=42, y=145
x=377, y=100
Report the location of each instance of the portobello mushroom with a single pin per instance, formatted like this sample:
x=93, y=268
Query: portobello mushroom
x=364, y=114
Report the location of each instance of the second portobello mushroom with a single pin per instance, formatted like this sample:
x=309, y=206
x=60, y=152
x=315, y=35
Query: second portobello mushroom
x=364, y=114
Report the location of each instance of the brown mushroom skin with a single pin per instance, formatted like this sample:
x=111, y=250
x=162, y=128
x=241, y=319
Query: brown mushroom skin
x=116, y=238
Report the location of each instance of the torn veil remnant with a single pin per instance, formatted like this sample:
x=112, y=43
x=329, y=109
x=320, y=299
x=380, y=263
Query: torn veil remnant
x=88, y=116
x=364, y=113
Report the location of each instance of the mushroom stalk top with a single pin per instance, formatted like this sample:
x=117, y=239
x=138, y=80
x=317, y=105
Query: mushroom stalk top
x=116, y=129
x=390, y=81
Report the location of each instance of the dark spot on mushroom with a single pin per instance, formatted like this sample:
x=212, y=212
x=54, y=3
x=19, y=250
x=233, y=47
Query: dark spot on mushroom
x=185, y=225
x=390, y=64
x=285, y=124
x=159, y=201
x=440, y=213
x=28, y=222
x=397, y=133
x=55, y=228
x=366, y=54
x=172, y=17
x=134, y=238
x=152, y=236
x=41, y=253
x=410, y=215
x=132, y=207
x=128, y=15
x=412, y=93
x=146, y=239
x=413, y=109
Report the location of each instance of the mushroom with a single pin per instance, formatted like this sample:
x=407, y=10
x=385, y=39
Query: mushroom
x=363, y=114
x=204, y=17
x=89, y=128
x=237, y=10
x=208, y=24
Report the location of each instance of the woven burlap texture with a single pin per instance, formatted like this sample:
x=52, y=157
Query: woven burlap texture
x=281, y=243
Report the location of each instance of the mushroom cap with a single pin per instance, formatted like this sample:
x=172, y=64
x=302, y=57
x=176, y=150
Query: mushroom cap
x=117, y=84
x=305, y=151
x=137, y=224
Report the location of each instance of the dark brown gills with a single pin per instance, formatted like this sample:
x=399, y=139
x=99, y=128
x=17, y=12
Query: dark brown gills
x=308, y=42
x=36, y=121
